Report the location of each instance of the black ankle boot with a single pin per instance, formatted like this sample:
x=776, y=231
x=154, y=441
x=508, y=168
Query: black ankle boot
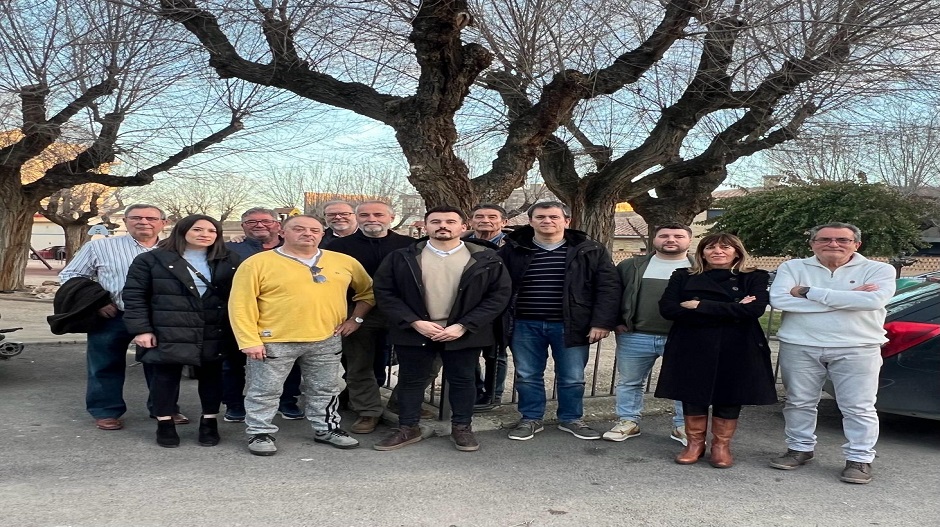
x=166, y=434
x=208, y=431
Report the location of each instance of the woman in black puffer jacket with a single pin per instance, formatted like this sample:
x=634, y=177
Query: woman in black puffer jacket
x=176, y=304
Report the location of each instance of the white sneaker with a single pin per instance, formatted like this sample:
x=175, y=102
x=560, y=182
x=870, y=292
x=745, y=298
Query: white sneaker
x=622, y=431
x=336, y=437
x=678, y=433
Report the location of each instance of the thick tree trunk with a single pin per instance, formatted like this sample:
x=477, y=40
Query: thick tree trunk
x=681, y=200
x=430, y=159
x=76, y=235
x=596, y=218
x=16, y=226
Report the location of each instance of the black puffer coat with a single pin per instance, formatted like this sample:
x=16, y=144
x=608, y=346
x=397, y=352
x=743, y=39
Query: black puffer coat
x=161, y=297
x=716, y=353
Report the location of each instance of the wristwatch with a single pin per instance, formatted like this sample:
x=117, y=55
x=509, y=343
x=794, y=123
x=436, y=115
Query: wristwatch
x=358, y=320
x=802, y=291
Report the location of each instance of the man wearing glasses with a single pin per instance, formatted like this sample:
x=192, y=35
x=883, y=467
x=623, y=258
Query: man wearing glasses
x=107, y=261
x=289, y=305
x=832, y=326
x=262, y=233
x=364, y=351
x=340, y=219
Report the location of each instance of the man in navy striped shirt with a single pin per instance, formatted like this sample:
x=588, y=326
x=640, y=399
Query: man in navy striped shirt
x=107, y=261
x=566, y=296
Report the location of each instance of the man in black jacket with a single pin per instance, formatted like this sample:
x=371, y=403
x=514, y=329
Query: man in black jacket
x=441, y=295
x=365, y=348
x=341, y=219
x=566, y=295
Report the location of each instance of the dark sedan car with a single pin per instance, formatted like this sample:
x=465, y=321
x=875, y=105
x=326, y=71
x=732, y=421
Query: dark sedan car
x=56, y=252
x=910, y=377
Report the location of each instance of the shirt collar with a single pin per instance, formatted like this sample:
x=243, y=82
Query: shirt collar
x=441, y=253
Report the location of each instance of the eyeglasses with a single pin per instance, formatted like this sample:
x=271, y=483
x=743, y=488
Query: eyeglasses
x=840, y=241
x=143, y=218
x=317, y=277
x=338, y=214
x=252, y=223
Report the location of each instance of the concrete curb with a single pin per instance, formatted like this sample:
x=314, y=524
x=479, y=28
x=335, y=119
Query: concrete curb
x=20, y=299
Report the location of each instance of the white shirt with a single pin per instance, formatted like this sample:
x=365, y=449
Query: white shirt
x=442, y=253
x=832, y=314
x=106, y=261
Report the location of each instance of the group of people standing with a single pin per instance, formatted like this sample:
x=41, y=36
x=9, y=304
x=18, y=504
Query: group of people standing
x=272, y=310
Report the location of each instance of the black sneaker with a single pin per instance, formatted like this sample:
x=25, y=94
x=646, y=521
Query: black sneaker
x=290, y=411
x=234, y=415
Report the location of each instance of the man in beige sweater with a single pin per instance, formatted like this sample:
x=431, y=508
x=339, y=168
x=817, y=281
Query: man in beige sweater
x=441, y=296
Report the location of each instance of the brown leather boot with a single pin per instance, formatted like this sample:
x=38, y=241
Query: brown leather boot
x=695, y=428
x=722, y=432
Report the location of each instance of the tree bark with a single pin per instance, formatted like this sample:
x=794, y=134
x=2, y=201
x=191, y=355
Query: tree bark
x=76, y=234
x=595, y=216
x=16, y=217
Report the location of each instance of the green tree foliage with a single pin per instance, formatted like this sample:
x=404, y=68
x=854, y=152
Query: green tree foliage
x=775, y=222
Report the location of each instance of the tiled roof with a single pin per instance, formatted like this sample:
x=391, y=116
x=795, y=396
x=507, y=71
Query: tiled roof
x=736, y=192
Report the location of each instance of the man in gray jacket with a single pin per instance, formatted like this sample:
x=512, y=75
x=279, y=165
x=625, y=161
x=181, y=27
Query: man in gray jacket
x=641, y=335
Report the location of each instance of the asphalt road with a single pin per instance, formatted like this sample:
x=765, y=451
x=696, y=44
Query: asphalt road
x=57, y=469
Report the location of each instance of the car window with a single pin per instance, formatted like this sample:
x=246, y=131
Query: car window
x=928, y=292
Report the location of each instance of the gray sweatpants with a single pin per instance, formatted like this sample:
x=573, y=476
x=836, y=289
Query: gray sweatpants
x=322, y=380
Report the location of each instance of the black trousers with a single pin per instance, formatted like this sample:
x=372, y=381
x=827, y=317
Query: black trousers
x=718, y=410
x=414, y=367
x=165, y=387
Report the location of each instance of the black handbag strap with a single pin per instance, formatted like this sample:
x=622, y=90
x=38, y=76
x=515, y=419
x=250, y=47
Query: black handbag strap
x=199, y=275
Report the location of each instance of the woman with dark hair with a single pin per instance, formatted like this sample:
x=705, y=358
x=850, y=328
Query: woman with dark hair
x=176, y=304
x=716, y=354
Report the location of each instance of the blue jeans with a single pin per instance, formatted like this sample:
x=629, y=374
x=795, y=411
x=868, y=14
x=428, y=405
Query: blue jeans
x=106, y=363
x=530, y=342
x=854, y=374
x=636, y=355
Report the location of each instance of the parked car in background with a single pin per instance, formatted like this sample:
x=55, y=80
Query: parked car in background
x=910, y=377
x=55, y=252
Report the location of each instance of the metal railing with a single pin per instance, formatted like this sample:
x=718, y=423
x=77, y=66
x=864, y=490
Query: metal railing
x=599, y=385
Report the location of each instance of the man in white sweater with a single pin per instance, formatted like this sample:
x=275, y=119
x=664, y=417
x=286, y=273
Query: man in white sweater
x=832, y=326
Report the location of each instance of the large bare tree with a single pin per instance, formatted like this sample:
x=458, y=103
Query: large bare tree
x=217, y=195
x=109, y=82
x=646, y=101
x=74, y=207
x=896, y=143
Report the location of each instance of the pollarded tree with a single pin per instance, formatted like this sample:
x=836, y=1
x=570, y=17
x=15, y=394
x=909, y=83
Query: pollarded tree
x=614, y=99
x=775, y=222
x=72, y=209
x=105, y=80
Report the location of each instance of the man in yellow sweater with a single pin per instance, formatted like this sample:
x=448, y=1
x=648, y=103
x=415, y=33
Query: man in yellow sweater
x=289, y=305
